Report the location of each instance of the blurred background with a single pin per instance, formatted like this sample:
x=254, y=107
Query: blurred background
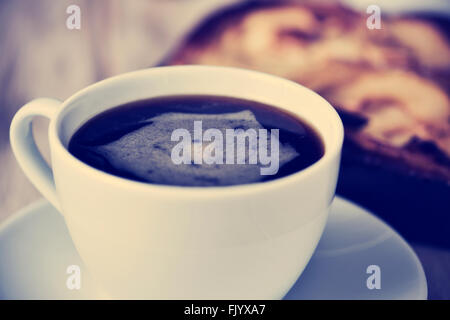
x=41, y=57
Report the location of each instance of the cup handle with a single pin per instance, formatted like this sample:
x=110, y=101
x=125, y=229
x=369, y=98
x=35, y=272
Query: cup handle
x=25, y=149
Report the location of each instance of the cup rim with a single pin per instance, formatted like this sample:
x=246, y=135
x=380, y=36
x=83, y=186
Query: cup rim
x=189, y=191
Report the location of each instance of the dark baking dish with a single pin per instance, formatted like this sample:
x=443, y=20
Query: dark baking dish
x=417, y=207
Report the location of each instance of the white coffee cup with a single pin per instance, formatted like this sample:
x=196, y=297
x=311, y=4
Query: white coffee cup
x=141, y=240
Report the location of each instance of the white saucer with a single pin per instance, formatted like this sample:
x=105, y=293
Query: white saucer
x=36, y=249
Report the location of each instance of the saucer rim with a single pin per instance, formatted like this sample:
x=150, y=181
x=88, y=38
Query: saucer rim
x=23, y=213
x=423, y=294
x=39, y=204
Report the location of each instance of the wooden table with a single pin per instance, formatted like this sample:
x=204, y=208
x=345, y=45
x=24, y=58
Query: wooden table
x=39, y=56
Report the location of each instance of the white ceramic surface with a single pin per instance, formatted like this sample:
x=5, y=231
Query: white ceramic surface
x=35, y=250
x=150, y=241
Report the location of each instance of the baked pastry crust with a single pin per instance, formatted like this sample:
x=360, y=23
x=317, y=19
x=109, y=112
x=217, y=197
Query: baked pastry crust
x=393, y=80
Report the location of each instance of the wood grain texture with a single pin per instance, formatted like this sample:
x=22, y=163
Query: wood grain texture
x=40, y=57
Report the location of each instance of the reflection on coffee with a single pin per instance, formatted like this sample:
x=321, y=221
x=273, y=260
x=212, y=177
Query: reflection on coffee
x=197, y=141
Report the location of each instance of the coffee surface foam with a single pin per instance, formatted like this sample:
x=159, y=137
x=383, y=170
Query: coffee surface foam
x=146, y=152
x=197, y=140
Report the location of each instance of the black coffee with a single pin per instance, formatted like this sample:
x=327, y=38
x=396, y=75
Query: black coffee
x=197, y=141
